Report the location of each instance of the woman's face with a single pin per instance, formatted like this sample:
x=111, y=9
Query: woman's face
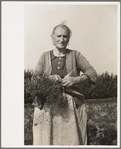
x=60, y=38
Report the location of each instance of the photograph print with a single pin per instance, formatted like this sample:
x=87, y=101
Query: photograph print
x=70, y=74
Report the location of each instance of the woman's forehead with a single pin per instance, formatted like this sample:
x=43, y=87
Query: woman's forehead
x=61, y=31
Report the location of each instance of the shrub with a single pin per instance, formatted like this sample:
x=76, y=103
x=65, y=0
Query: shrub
x=105, y=87
x=42, y=89
x=27, y=74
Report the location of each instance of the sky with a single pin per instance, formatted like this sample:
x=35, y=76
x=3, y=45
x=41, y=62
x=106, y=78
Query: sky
x=94, y=32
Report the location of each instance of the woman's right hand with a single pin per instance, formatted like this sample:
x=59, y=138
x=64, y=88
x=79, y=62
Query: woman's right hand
x=55, y=78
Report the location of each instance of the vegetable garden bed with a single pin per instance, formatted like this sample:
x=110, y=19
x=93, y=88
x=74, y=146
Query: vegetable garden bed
x=101, y=124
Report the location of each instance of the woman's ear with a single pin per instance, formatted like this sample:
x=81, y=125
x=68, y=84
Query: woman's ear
x=52, y=37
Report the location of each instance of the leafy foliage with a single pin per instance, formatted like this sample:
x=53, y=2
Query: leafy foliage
x=105, y=87
x=28, y=124
x=28, y=74
x=42, y=89
x=101, y=124
x=102, y=113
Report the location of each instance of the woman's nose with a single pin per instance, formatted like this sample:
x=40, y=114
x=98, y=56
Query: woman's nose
x=61, y=39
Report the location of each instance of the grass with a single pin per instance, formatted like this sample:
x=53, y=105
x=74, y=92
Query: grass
x=102, y=122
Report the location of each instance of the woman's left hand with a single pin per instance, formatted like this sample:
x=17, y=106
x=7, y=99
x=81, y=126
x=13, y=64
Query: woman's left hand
x=70, y=81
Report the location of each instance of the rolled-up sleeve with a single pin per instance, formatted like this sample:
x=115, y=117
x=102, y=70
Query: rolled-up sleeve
x=84, y=66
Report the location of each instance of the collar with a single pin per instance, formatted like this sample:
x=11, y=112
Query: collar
x=54, y=56
x=56, y=53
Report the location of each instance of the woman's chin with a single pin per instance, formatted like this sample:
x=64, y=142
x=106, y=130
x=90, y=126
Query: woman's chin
x=61, y=47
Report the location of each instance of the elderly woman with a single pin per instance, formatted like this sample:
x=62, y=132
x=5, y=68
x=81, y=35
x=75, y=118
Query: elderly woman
x=54, y=129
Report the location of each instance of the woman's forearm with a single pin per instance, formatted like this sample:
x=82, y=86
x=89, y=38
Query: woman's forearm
x=81, y=78
x=71, y=81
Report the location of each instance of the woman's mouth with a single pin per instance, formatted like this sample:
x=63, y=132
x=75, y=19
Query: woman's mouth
x=61, y=43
